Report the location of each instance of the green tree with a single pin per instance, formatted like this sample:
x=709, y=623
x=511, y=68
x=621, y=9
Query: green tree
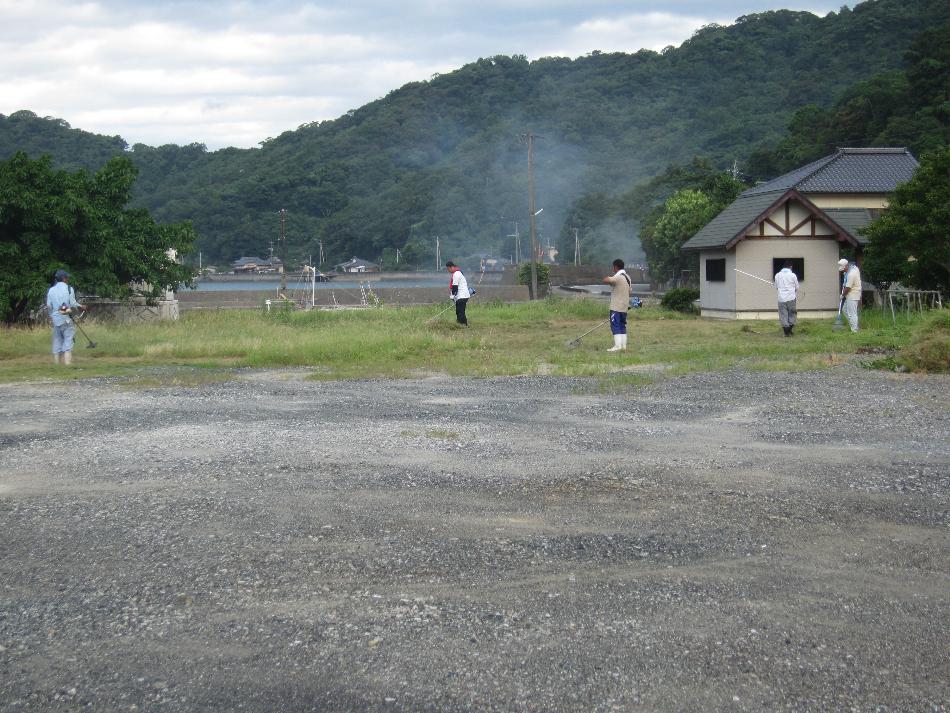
x=51, y=219
x=543, y=272
x=683, y=214
x=899, y=108
x=910, y=242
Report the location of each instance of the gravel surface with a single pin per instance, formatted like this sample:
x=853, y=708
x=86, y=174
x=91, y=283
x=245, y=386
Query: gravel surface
x=725, y=541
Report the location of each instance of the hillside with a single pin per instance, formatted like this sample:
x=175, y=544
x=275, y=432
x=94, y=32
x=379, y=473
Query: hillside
x=444, y=157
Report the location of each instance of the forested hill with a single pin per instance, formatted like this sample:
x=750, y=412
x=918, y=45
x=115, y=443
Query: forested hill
x=444, y=157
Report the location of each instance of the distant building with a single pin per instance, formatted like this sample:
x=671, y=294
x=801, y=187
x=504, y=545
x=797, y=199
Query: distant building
x=256, y=264
x=805, y=216
x=356, y=264
x=487, y=263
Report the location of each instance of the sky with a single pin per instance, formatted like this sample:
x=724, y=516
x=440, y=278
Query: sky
x=236, y=72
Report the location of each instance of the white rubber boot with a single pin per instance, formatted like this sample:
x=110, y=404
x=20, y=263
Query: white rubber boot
x=67, y=358
x=56, y=358
x=616, y=347
x=623, y=342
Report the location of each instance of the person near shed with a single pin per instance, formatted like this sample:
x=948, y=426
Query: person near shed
x=458, y=286
x=786, y=284
x=850, y=291
x=620, y=286
x=60, y=303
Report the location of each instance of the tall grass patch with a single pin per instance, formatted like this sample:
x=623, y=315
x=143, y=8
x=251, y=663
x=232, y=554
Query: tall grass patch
x=504, y=339
x=929, y=346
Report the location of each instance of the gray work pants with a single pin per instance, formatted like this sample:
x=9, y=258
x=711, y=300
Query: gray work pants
x=788, y=313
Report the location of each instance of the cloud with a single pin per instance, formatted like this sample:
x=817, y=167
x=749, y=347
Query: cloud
x=234, y=72
x=629, y=33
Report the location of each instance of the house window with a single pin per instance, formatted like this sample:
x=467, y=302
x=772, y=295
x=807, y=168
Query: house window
x=716, y=270
x=798, y=266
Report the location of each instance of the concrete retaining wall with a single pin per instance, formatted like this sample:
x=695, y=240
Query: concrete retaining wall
x=252, y=299
x=574, y=274
x=135, y=311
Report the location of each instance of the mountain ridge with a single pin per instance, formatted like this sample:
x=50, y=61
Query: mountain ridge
x=443, y=156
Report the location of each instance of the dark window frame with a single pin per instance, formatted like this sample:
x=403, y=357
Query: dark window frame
x=798, y=266
x=719, y=273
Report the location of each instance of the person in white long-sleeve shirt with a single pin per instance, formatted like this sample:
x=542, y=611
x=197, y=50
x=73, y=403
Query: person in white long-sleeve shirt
x=786, y=284
x=60, y=302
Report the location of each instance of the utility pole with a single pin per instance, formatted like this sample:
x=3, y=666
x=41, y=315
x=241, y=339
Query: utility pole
x=577, y=249
x=283, y=253
x=517, y=238
x=529, y=139
x=438, y=254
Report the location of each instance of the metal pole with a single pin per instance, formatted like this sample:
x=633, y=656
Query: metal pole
x=748, y=274
x=534, y=247
x=517, y=238
x=283, y=253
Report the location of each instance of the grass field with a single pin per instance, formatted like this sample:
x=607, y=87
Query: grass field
x=524, y=338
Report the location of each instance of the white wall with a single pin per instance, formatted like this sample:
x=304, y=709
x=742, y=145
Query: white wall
x=818, y=291
x=848, y=200
x=717, y=295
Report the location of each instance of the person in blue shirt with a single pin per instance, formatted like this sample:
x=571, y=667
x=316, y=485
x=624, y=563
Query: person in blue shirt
x=60, y=302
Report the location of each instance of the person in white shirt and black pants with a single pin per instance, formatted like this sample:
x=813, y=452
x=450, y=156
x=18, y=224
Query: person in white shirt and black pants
x=786, y=283
x=458, y=285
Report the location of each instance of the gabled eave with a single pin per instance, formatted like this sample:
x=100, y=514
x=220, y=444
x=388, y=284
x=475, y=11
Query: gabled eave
x=841, y=234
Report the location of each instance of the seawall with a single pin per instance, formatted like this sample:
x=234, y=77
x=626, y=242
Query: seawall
x=345, y=297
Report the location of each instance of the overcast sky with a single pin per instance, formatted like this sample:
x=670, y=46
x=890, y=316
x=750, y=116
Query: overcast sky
x=232, y=73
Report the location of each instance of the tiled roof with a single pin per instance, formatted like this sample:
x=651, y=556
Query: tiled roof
x=733, y=219
x=852, y=220
x=256, y=261
x=847, y=171
x=356, y=262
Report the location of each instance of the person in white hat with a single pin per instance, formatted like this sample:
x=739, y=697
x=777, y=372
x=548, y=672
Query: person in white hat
x=850, y=291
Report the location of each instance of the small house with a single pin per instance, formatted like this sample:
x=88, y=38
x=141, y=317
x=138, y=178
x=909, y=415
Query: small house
x=356, y=264
x=806, y=216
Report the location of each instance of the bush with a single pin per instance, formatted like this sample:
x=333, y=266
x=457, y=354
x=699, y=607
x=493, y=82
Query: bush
x=681, y=299
x=524, y=274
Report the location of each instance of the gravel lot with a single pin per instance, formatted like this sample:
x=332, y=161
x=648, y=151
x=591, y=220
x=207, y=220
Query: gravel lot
x=727, y=541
